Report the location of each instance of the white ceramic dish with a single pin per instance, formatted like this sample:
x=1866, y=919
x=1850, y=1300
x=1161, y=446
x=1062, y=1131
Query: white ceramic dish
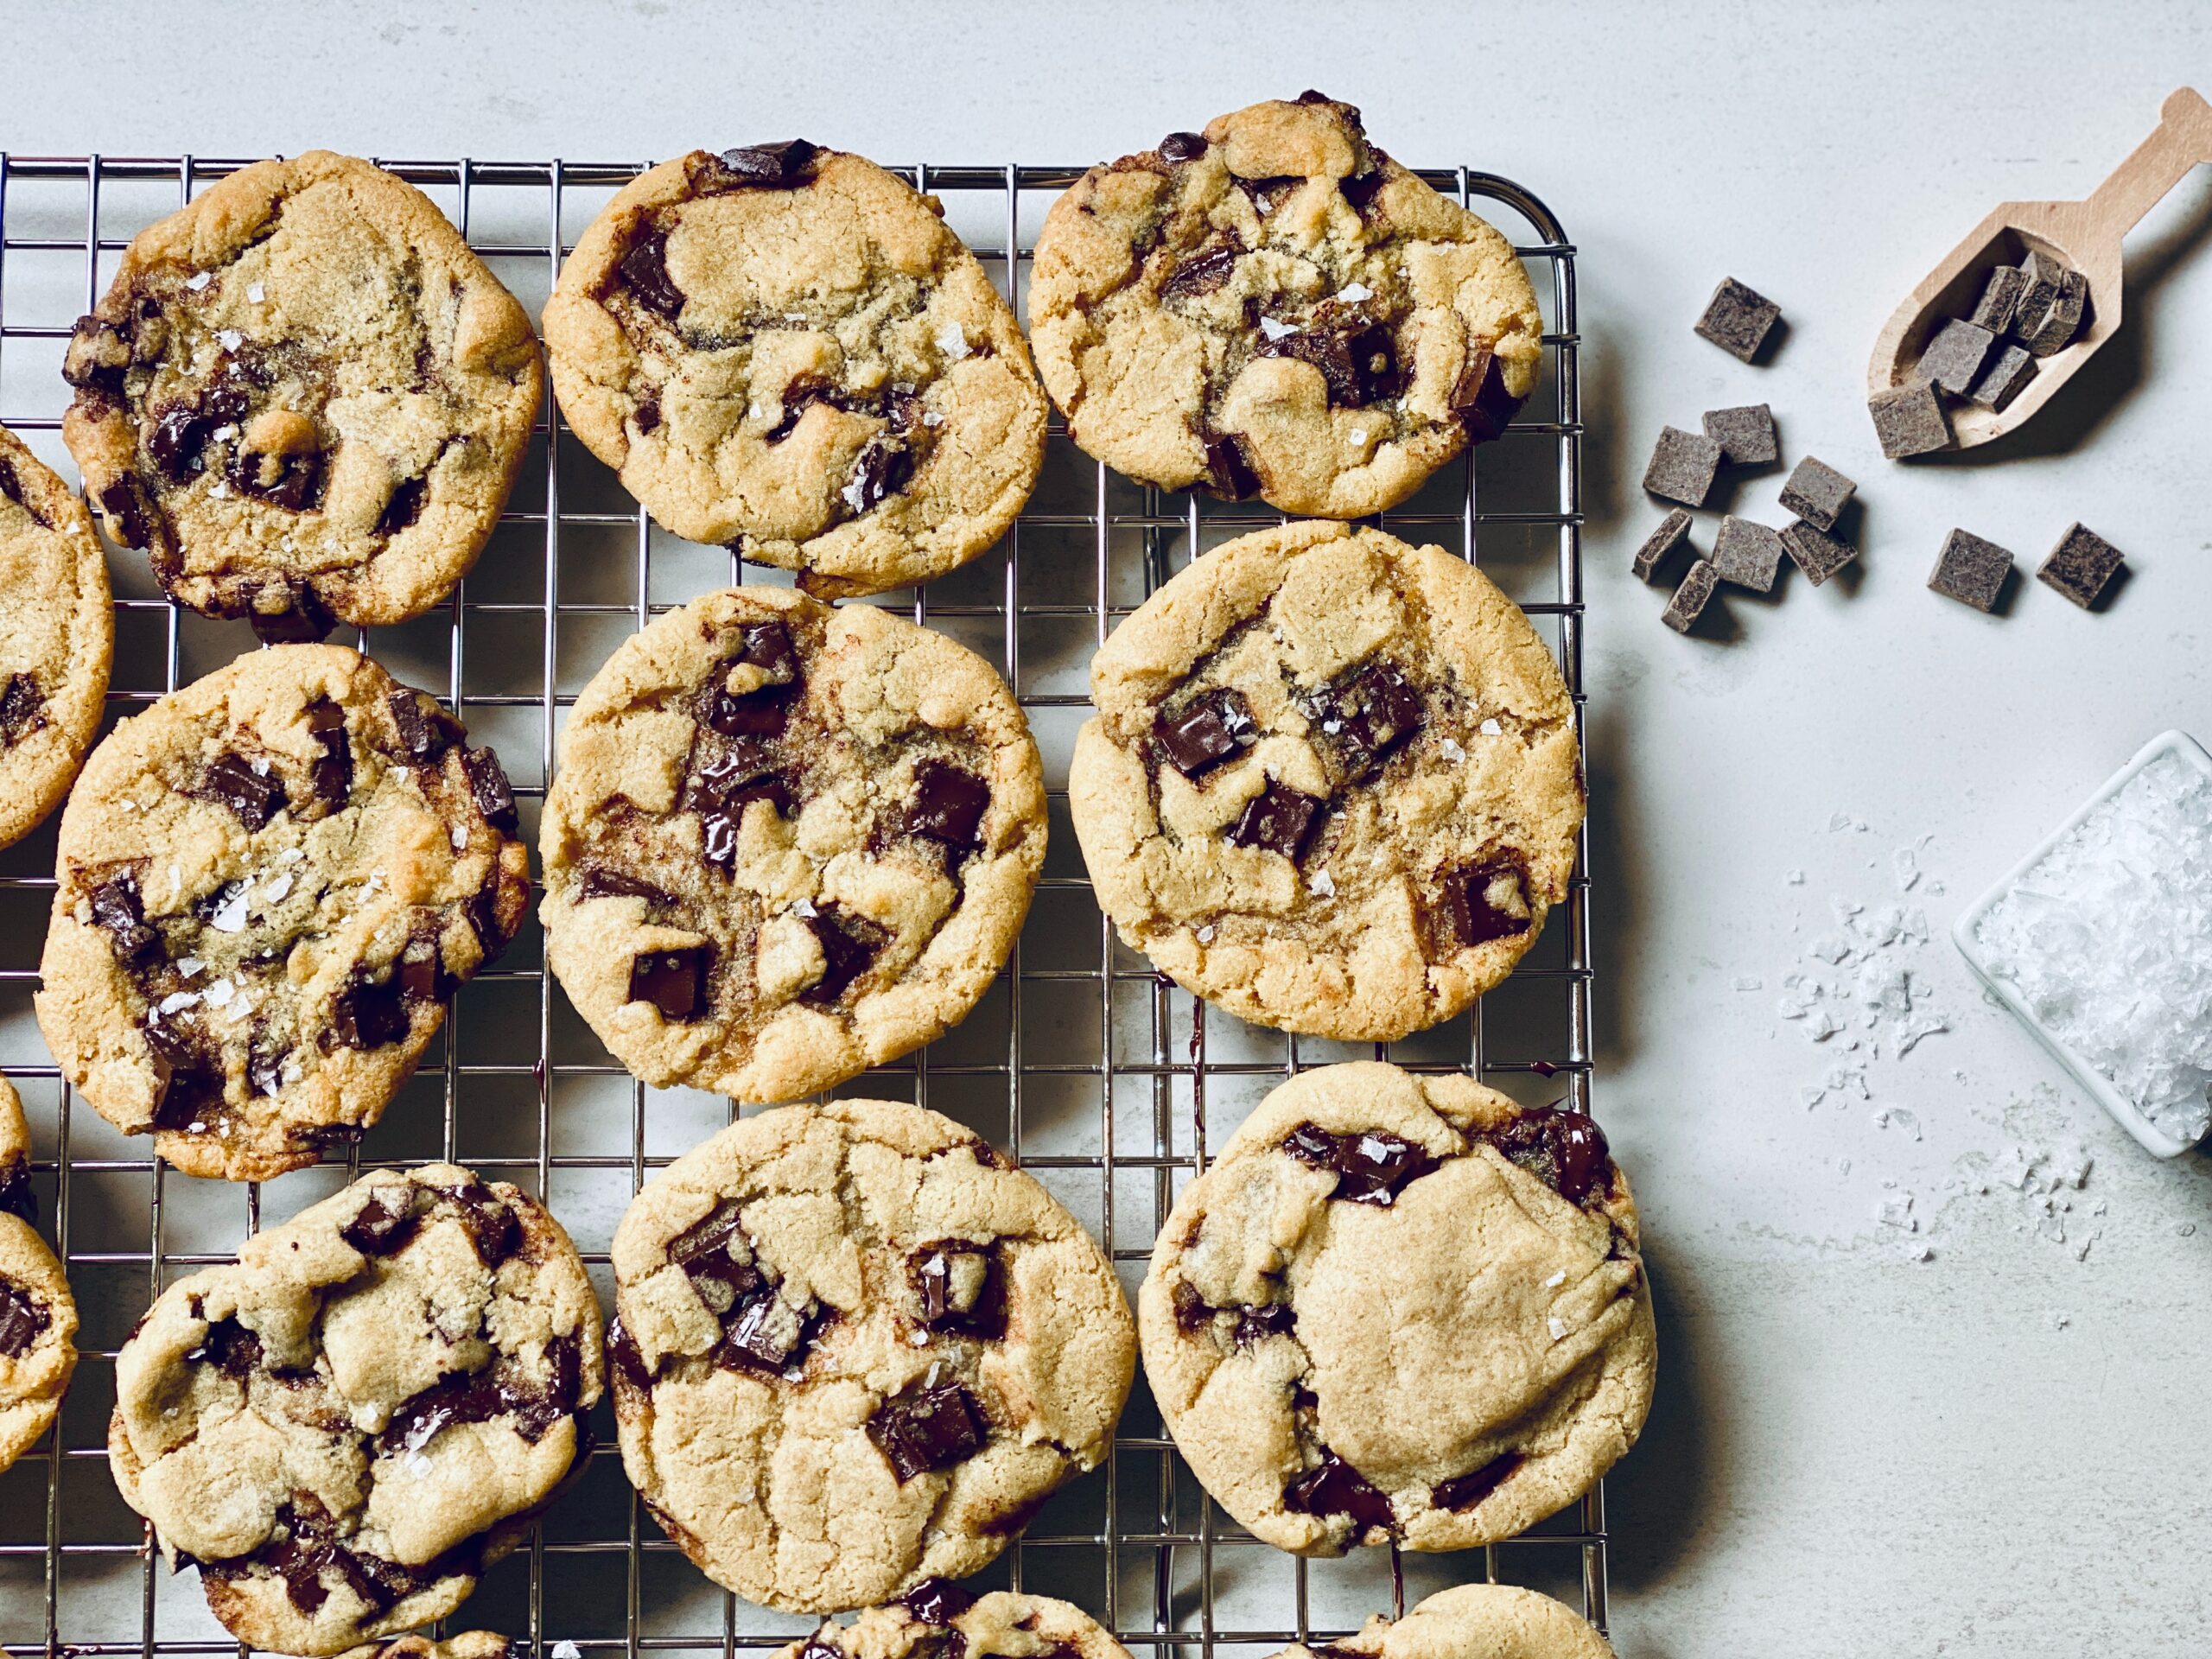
x=2153, y=1138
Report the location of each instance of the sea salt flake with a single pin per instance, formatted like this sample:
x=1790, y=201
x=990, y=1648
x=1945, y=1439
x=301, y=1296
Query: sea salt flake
x=1491, y=728
x=952, y=342
x=220, y=993
x=1353, y=293
x=1558, y=1328
x=224, y=433
x=1275, y=330
x=189, y=966
x=1749, y=982
x=1895, y=1211
x=255, y=293
x=199, y=279
x=231, y=338
x=1357, y=435
x=930, y=417
x=459, y=837
x=1793, y=878
x=1821, y=1025
x=175, y=1002
x=1556, y=1280
x=1452, y=751
x=1324, y=884
x=1828, y=948
x=219, y=490
x=289, y=856
x=1908, y=1035
x=230, y=916
x=1205, y=934
x=1789, y=1009
x=277, y=886
x=567, y=1650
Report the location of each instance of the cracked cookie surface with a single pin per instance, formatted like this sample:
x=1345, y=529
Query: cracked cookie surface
x=938, y=1620
x=1332, y=785
x=38, y=1316
x=854, y=1351
x=1400, y=1309
x=268, y=884
x=786, y=842
x=1470, y=1621
x=305, y=398
x=1273, y=306
x=344, y=1429
x=57, y=637
x=783, y=349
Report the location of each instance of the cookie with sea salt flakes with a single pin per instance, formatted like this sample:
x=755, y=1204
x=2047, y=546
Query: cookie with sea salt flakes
x=305, y=397
x=1473, y=1621
x=57, y=638
x=345, y=1429
x=782, y=348
x=855, y=1351
x=1400, y=1309
x=268, y=884
x=1275, y=308
x=938, y=1620
x=38, y=1316
x=786, y=842
x=1332, y=784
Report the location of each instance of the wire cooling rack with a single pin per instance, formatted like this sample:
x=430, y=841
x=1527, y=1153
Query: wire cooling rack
x=1104, y=1079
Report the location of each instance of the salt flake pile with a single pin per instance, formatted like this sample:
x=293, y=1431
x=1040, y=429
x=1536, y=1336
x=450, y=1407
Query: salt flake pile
x=2108, y=939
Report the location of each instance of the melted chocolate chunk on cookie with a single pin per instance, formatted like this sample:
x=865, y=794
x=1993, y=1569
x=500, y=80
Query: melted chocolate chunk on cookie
x=293, y=481
x=117, y=907
x=178, y=441
x=767, y=646
x=191, y=1072
x=1270, y=192
x=782, y=166
x=134, y=522
x=673, y=981
x=644, y=272
x=1372, y=716
x=883, y=467
x=21, y=1317
x=605, y=881
x=1486, y=901
x=403, y=507
x=1254, y=1321
x=961, y=1287
x=766, y=1335
x=1280, y=819
x=760, y=1332
x=623, y=1356
x=1563, y=1149
x=366, y=1015
x=1179, y=147
x=500, y=1390
x=421, y=971
x=1202, y=272
x=1484, y=405
x=848, y=945
x=1463, y=1492
x=23, y=707
x=1357, y=360
x=231, y=1348
x=1334, y=1487
x=11, y=485
x=817, y=1648
x=17, y=1197
x=925, y=1431
x=948, y=805
x=1361, y=188
x=424, y=733
x=306, y=1545
x=1205, y=731
x=1372, y=1167
x=938, y=1601
x=1230, y=473
x=488, y=787
x=493, y=1231
x=331, y=777
x=254, y=798
x=97, y=358
x=286, y=613
x=386, y=1222
x=719, y=789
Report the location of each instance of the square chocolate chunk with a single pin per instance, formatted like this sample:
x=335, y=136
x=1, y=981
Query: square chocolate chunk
x=1691, y=598
x=1737, y=320
x=2082, y=566
x=1682, y=466
x=1971, y=570
x=1748, y=554
x=2040, y=276
x=1819, y=553
x=2053, y=328
x=1817, y=492
x=1674, y=531
x=1910, y=420
x=2000, y=298
x=1745, y=435
x=2006, y=379
x=1953, y=360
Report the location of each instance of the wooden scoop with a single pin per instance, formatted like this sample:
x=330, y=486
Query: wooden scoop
x=2084, y=234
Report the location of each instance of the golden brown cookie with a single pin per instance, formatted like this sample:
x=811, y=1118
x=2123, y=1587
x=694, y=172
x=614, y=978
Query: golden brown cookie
x=939, y=1620
x=1470, y=1621
x=38, y=1316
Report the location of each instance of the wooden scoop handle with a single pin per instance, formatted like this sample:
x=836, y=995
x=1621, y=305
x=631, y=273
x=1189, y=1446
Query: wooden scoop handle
x=2181, y=140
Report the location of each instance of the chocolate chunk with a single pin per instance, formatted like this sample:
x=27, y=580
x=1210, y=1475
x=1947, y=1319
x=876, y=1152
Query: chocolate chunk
x=755, y=1338
x=605, y=881
x=1463, y=1492
x=1230, y=474
x=1818, y=553
x=1370, y=1167
x=489, y=789
x=960, y=1289
x=477, y=1398
x=644, y=273
x=419, y=971
x=1334, y=1487
x=115, y=907
x=264, y=1073
x=848, y=945
x=1487, y=901
x=120, y=501
x=623, y=1357
x=293, y=482
x=484, y=914
x=719, y=790
x=880, y=472
x=938, y=1601
x=779, y=166
x=253, y=797
x=21, y=706
x=675, y=982
x=767, y=646
x=192, y=1080
x=1746, y=434
x=1205, y=731
x=384, y=1223
x=1971, y=570
x=1202, y=273
x=425, y=735
x=2006, y=379
x=17, y=1197
x=230, y=1348
x=2053, y=328
x=1747, y=553
x=648, y=416
x=708, y=1238
x=1485, y=408
x=1673, y=533
x=1257, y=1323
x=2082, y=566
x=927, y=1430
x=2040, y=276
x=331, y=776
x=1370, y=717
x=1179, y=147
x=1682, y=466
x=98, y=357
x=948, y=805
x=1358, y=362
x=2000, y=299
x=490, y=1225
x=286, y=613
x=1265, y=194
x=1280, y=819
x=1563, y=1149
x=21, y=1319
x=1952, y=361
x=366, y=1016
x=1192, y=1309
x=404, y=507
x=1817, y=492
x=179, y=435
x=12, y=488
x=1737, y=320
x=1910, y=420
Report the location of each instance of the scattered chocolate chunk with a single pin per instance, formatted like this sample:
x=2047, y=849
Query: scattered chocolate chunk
x=1230, y=473
x=762, y=1335
x=1682, y=466
x=720, y=789
x=1747, y=553
x=960, y=1289
x=1334, y=1487
x=1357, y=361
x=366, y=1016
x=331, y=777
x=948, y=804
x=420, y=971
x=490, y=1225
x=1202, y=273
x=848, y=945
x=179, y=435
x=938, y=1601
x=2040, y=276
x=1257, y=1323
x=1487, y=901
x=2053, y=328
x=605, y=881
x=1270, y=192
x=403, y=507
x=1485, y=408
x=482, y=1396
x=675, y=982
x=11, y=487
x=879, y=471
x=22, y=708
x=1910, y=420
x=1690, y=598
x=424, y=733
x=254, y=798
x=1205, y=731
x=1971, y=570
x=648, y=414
x=1746, y=434
x=708, y=1240
x=2000, y=298
x=779, y=166
x=387, y=1221
x=1818, y=553
x=488, y=786
x=1179, y=147
x=2081, y=567
x=21, y=1319
x=293, y=482
x=1370, y=717
x=2006, y=379
x=17, y=1197
x=121, y=502
x=767, y=646
x=1372, y=1167
x=644, y=273
x=1952, y=361
x=927, y=1430
x=230, y=1348
x=1463, y=1492
x=1817, y=492
x=1280, y=819
x=1563, y=1149
x=115, y=907
x=1737, y=320
x=623, y=1357
x=1673, y=533
x=288, y=613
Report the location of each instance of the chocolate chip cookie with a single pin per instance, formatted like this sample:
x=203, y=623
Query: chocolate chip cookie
x=786, y=842
x=938, y=1620
x=305, y=397
x=1332, y=784
x=38, y=1316
x=268, y=885
x=1275, y=308
x=469, y=1644
x=1400, y=1309
x=1477, y=1621
x=784, y=349
x=57, y=638
x=853, y=1350
x=345, y=1428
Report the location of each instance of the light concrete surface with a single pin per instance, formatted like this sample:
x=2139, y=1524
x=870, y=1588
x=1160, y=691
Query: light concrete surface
x=1997, y=1450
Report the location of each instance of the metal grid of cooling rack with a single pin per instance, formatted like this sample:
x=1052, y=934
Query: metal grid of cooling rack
x=1103, y=1078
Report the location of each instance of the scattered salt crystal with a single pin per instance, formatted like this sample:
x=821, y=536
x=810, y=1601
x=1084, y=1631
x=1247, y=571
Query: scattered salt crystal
x=292, y=1072
x=289, y=856
x=1332, y=726
x=1906, y=863
x=1821, y=1025
x=1205, y=934
x=1324, y=884
x=1895, y=1209
x=1793, y=878
x=176, y=1001
x=276, y=888
x=1829, y=948
x=230, y=916
x=189, y=966
x=568, y=1649
x=802, y=908
x=220, y=993
x=951, y=341
x=2070, y=1167
x=1275, y=330
x=224, y=434
x=231, y=338
x=1558, y=1328
x=1556, y=1280
x=1812, y=1096
x=1451, y=750
x=794, y=316
x=199, y=279
x=219, y=490
x=1909, y=1031
x=1838, y=820
x=855, y=493
x=255, y=293
x=930, y=417
x=459, y=837
x=418, y=1466
x=1749, y=982
x=1789, y=1009
x=1353, y=293
x=1357, y=435
x=2059, y=1321
x=1490, y=728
